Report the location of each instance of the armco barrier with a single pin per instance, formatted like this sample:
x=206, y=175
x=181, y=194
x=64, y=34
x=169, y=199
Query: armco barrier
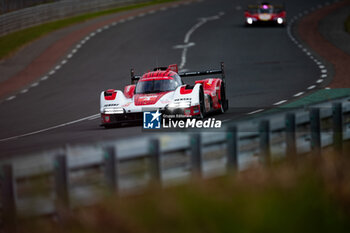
x=36, y=15
x=13, y=5
x=75, y=176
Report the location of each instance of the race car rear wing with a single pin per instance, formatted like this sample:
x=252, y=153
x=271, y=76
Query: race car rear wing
x=135, y=78
x=276, y=7
x=206, y=72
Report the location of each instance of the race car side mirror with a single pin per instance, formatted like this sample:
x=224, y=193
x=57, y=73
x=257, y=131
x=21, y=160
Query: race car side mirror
x=174, y=68
x=134, y=78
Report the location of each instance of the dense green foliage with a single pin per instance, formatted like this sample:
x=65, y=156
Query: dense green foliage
x=347, y=24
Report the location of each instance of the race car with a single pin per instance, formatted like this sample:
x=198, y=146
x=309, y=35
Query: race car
x=163, y=90
x=265, y=13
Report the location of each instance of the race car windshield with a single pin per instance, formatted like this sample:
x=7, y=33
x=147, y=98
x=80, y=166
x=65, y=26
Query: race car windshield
x=155, y=86
x=266, y=10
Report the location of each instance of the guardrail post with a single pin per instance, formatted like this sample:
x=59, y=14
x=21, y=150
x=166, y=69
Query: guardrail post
x=8, y=197
x=232, y=149
x=337, y=127
x=111, y=168
x=154, y=149
x=196, y=155
x=315, y=127
x=61, y=182
x=291, y=149
x=265, y=151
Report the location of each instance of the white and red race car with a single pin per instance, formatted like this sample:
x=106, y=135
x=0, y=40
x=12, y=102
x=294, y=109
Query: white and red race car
x=265, y=13
x=164, y=90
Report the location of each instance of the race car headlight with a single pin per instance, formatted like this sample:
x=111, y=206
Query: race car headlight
x=113, y=110
x=249, y=20
x=182, y=104
x=279, y=20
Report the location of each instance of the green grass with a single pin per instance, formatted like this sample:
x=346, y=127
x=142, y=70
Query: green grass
x=347, y=24
x=12, y=42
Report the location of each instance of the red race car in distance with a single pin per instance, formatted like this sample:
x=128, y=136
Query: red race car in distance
x=265, y=13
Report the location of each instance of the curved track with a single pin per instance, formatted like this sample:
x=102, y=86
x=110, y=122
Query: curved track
x=263, y=67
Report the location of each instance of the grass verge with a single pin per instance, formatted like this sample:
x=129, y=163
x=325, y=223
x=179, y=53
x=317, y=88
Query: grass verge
x=12, y=42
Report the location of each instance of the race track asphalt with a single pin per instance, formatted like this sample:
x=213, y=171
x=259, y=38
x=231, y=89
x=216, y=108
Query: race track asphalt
x=263, y=67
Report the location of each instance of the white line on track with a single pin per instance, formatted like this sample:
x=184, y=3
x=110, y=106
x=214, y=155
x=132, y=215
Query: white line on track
x=256, y=111
x=44, y=78
x=187, y=43
x=320, y=65
x=35, y=84
x=184, y=46
x=280, y=102
x=299, y=94
x=11, y=97
x=47, y=129
x=24, y=91
x=94, y=117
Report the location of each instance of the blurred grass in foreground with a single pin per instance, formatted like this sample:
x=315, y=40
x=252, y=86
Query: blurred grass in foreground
x=347, y=24
x=14, y=41
x=308, y=195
